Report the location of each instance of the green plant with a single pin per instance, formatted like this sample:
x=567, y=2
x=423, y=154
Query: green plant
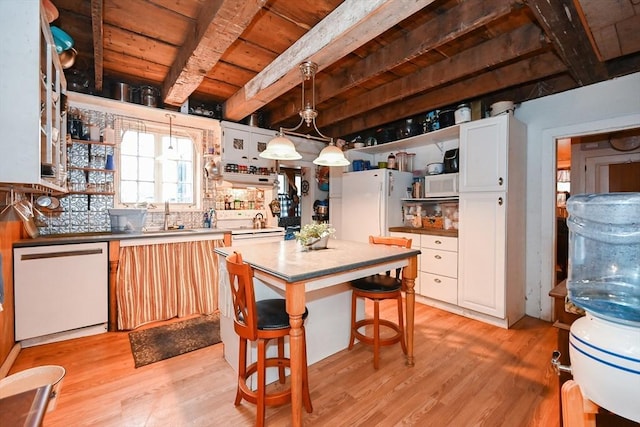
x=309, y=233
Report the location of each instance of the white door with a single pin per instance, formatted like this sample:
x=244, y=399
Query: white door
x=483, y=155
x=481, y=252
x=597, y=170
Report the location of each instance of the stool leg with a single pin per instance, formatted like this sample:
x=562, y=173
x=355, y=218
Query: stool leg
x=306, y=397
x=281, y=356
x=353, y=319
x=242, y=368
x=262, y=355
x=401, y=324
x=376, y=333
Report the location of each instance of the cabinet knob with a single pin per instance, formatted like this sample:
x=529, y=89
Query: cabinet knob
x=438, y=242
x=437, y=257
x=500, y=181
x=437, y=280
x=500, y=201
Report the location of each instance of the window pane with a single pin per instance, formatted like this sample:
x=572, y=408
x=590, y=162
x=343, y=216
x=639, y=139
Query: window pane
x=147, y=145
x=151, y=171
x=147, y=166
x=128, y=191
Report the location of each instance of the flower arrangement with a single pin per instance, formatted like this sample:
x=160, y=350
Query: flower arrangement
x=310, y=234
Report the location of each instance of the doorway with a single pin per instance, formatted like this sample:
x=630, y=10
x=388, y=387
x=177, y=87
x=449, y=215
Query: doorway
x=599, y=166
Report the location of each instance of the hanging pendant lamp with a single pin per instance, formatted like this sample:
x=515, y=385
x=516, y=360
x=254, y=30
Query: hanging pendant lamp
x=282, y=148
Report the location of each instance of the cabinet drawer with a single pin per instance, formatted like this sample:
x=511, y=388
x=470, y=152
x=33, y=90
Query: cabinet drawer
x=439, y=242
x=439, y=262
x=439, y=287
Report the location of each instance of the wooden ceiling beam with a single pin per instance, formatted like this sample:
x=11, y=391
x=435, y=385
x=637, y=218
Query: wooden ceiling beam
x=529, y=69
x=219, y=24
x=456, y=22
x=98, y=54
x=561, y=23
x=348, y=27
x=482, y=58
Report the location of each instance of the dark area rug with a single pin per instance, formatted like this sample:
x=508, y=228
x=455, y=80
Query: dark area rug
x=163, y=342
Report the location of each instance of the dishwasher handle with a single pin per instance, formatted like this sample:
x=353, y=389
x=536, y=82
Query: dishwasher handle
x=28, y=257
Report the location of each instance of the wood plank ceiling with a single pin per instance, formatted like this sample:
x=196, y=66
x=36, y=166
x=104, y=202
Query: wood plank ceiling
x=380, y=61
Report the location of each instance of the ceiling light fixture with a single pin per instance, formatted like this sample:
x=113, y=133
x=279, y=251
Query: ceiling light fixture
x=282, y=148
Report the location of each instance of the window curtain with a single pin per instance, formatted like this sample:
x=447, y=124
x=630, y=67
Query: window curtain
x=159, y=282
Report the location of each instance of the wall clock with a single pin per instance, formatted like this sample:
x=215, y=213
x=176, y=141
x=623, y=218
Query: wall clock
x=305, y=187
x=625, y=144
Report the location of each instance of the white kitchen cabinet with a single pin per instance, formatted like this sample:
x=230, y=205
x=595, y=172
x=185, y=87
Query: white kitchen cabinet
x=242, y=145
x=483, y=154
x=32, y=102
x=439, y=268
x=491, y=241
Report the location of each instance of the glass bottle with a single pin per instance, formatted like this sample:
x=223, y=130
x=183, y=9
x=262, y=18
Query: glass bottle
x=391, y=161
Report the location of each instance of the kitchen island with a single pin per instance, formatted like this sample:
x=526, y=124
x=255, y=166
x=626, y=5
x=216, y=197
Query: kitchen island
x=286, y=266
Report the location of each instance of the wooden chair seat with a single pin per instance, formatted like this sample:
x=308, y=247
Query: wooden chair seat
x=377, y=288
x=260, y=322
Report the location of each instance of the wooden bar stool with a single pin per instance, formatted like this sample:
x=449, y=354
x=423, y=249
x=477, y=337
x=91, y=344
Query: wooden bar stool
x=377, y=288
x=261, y=321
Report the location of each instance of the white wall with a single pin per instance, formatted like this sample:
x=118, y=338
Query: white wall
x=602, y=107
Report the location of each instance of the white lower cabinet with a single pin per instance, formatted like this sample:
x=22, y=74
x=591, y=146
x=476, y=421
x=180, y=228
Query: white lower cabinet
x=439, y=268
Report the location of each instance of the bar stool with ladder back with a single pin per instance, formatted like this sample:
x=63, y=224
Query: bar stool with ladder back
x=261, y=321
x=377, y=288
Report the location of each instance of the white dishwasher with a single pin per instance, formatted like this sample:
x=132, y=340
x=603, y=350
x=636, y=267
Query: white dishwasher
x=60, y=291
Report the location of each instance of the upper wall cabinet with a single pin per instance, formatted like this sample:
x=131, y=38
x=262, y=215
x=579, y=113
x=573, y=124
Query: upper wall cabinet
x=242, y=145
x=32, y=112
x=483, y=154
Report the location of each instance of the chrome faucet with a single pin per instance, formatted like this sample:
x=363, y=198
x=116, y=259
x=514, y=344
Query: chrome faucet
x=166, y=215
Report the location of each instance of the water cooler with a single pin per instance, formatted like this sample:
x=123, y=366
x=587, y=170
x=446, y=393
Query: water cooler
x=604, y=280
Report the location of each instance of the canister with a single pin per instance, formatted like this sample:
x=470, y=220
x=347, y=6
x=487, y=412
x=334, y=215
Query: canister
x=463, y=113
x=401, y=161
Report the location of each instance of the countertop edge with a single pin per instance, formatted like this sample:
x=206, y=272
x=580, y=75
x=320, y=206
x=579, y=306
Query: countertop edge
x=107, y=237
x=431, y=231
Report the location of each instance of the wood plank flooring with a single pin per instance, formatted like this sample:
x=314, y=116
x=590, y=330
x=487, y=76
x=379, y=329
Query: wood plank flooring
x=467, y=373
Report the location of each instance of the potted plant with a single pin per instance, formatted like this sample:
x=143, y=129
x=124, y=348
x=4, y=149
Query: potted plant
x=314, y=236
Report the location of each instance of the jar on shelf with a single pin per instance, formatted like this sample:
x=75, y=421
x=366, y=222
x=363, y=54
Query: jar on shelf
x=391, y=161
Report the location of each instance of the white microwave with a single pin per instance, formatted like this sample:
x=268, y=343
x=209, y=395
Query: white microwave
x=444, y=185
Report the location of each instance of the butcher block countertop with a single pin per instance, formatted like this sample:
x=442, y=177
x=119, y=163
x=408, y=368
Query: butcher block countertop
x=431, y=231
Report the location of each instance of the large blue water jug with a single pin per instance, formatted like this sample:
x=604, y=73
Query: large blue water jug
x=604, y=255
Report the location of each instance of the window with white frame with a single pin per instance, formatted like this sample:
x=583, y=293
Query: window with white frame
x=157, y=163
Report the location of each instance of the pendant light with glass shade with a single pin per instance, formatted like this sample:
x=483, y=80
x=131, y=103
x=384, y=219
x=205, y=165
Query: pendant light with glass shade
x=282, y=148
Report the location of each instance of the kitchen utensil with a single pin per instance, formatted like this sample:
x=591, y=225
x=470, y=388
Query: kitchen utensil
x=50, y=11
x=122, y=92
x=446, y=118
x=149, y=96
x=501, y=107
x=435, y=168
x=62, y=40
x=68, y=58
x=463, y=113
x=451, y=161
x=259, y=221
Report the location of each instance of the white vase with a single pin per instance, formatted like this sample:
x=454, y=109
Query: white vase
x=320, y=243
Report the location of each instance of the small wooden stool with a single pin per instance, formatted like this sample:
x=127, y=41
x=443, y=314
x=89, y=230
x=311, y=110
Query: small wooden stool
x=377, y=288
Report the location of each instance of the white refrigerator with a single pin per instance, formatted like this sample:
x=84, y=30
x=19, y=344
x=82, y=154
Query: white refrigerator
x=372, y=202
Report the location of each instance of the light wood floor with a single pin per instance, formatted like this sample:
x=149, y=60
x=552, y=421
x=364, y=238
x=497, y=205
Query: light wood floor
x=467, y=373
